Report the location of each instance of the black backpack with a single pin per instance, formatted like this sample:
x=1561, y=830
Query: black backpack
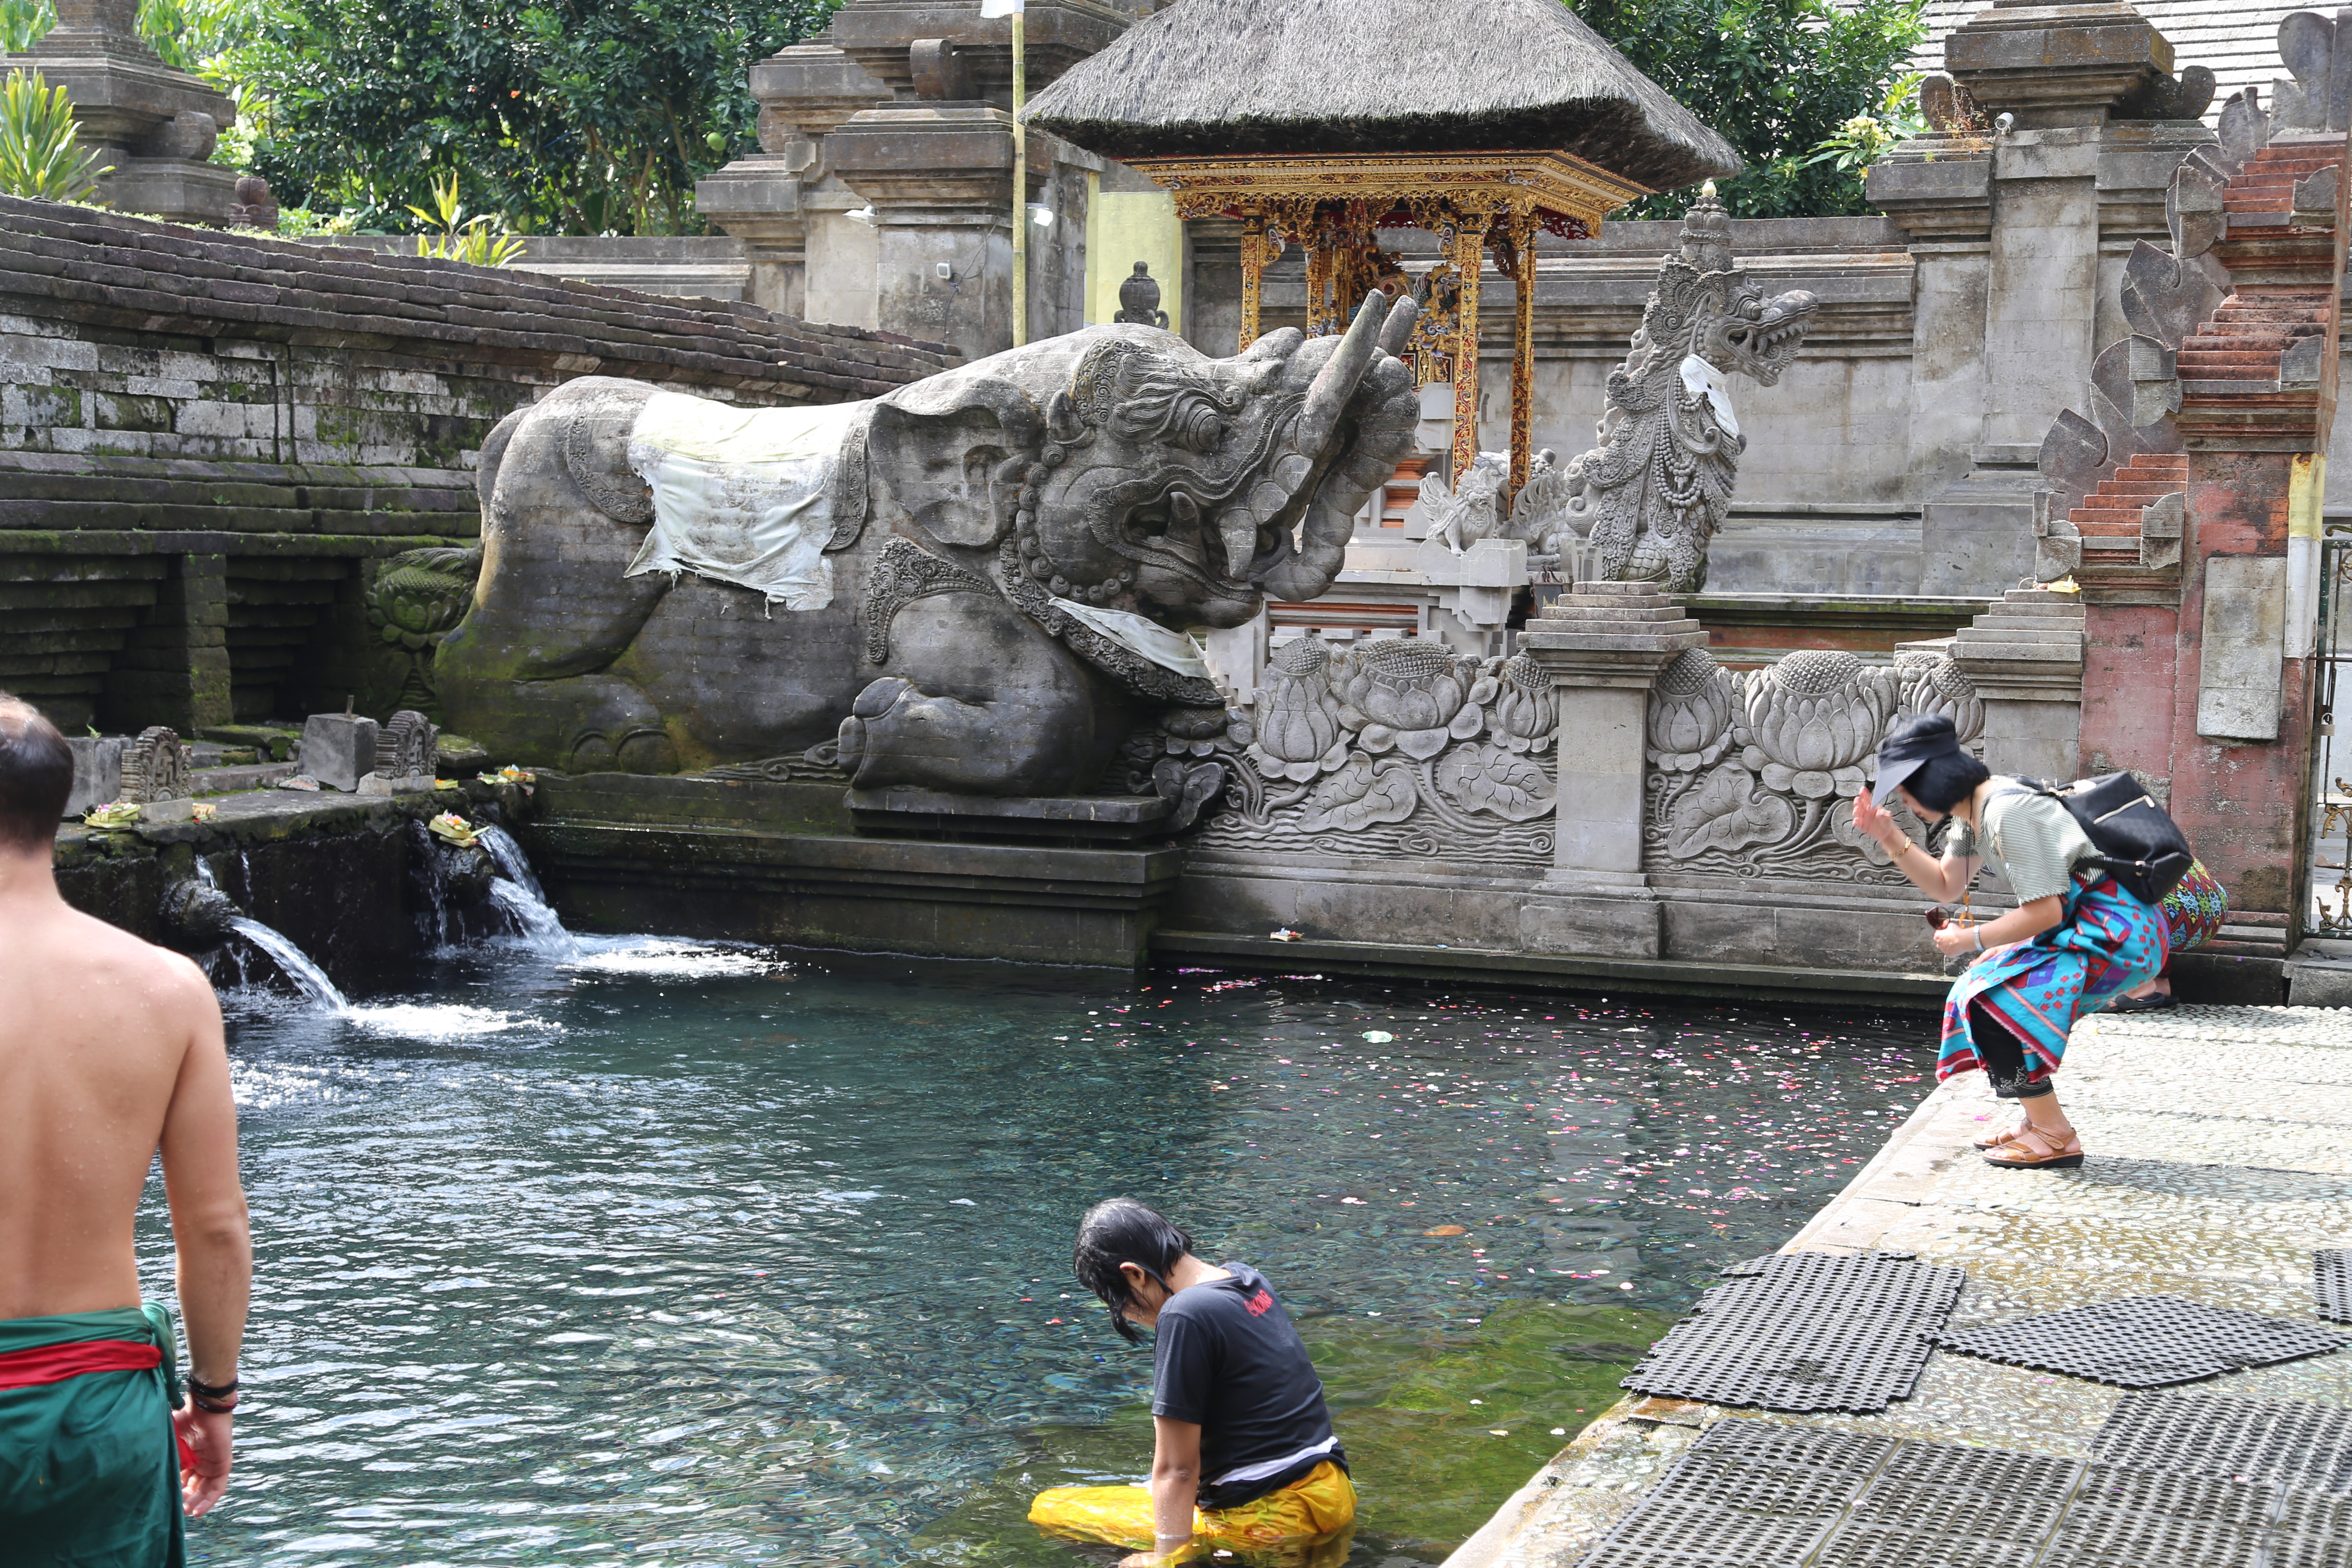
x=2138, y=843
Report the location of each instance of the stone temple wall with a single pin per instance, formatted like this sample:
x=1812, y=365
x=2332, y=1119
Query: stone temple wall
x=208, y=443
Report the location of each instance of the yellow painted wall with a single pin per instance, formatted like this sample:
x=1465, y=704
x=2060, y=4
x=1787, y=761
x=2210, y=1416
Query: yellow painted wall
x=1123, y=227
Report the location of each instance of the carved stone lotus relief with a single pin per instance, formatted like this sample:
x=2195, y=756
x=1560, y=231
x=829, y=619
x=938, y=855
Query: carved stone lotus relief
x=1751, y=773
x=1393, y=746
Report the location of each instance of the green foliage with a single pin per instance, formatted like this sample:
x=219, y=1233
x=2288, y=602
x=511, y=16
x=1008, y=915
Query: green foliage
x=24, y=23
x=40, y=155
x=572, y=116
x=1860, y=141
x=295, y=223
x=1780, y=79
x=479, y=240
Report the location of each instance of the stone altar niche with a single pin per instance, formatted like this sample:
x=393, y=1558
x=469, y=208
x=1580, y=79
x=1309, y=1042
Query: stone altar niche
x=407, y=753
x=156, y=125
x=977, y=584
x=156, y=776
x=1643, y=504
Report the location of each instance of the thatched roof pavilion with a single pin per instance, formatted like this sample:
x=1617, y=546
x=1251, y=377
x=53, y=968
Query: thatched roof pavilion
x=1321, y=122
x=1255, y=78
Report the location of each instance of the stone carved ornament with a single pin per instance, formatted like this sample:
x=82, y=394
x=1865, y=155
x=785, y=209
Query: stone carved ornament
x=1396, y=746
x=1019, y=539
x=2134, y=383
x=1647, y=499
x=414, y=600
x=155, y=767
x=407, y=746
x=1754, y=774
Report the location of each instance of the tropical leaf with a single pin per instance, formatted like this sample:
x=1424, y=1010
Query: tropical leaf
x=40, y=153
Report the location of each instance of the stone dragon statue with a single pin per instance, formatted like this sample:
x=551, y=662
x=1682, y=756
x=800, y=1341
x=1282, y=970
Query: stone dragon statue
x=1646, y=500
x=979, y=583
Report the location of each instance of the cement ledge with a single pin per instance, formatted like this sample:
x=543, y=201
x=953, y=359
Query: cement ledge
x=1746, y=982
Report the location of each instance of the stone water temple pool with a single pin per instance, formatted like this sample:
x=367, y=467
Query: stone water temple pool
x=674, y=1254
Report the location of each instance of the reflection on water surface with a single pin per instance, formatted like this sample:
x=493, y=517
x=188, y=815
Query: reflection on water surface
x=676, y=1256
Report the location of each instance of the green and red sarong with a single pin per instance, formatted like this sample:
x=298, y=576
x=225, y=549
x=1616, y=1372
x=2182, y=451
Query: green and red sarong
x=89, y=1468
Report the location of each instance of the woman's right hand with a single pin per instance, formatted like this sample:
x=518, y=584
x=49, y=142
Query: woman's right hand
x=1872, y=821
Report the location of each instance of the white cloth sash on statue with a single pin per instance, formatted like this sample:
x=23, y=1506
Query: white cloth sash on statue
x=1169, y=650
x=1701, y=379
x=741, y=495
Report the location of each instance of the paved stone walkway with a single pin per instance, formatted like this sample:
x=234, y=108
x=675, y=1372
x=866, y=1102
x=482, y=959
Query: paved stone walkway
x=2221, y=1155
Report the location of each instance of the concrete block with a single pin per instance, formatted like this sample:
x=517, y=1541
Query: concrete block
x=1601, y=927
x=98, y=772
x=338, y=749
x=2319, y=983
x=2241, y=667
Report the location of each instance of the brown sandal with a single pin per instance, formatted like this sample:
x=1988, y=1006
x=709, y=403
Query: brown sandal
x=2033, y=1150
x=1995, y=1140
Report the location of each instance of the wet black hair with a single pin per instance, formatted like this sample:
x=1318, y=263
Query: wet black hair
x=36, y=776
x=1942, y=782
x=1121, y=1230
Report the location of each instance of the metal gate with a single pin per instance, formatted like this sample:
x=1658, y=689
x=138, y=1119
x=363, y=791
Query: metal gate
x=2327, y=908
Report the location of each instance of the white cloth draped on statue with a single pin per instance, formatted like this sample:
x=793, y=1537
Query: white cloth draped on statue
x=741, y=495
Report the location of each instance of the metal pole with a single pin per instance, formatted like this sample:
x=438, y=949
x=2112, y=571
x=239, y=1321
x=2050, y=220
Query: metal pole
x=1020, y=190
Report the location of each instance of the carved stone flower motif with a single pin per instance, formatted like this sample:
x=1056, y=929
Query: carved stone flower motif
x=1524, y=710
x=1814, y=719
x=1412, y=696
x=1933, y=684
x=1690, y=712
x=1297, y=733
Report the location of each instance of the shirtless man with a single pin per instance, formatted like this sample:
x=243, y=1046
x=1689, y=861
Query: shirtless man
x=109, y=1051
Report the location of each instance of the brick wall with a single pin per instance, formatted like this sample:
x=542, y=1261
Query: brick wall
x=209, y=441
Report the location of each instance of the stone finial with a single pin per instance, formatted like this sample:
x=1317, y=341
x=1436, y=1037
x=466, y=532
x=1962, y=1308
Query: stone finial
x=255, y=206
x=155, y=767
x=1706, y=232
x=1138, y=299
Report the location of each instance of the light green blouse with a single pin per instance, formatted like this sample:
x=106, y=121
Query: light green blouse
x=2030, y=840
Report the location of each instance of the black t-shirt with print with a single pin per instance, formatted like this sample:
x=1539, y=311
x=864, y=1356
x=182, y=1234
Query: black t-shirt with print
x=1227, y=1359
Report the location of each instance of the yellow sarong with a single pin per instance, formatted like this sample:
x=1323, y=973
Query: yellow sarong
x=1306, y=1524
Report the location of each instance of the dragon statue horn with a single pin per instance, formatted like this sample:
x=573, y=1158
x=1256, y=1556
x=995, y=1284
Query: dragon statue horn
x=1399, y=330
x=1337, y=382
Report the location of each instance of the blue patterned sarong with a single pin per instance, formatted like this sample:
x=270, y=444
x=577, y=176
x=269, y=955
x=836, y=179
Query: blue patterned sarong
x=2109, y=942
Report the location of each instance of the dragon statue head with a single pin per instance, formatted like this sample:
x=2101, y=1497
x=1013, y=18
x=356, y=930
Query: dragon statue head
x=1708, y=306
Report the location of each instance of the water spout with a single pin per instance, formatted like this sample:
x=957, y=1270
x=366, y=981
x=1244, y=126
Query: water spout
x=307, y=977
x=518, y=892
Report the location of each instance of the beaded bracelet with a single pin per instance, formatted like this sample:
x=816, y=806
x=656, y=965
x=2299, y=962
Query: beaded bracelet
x=212, y=1400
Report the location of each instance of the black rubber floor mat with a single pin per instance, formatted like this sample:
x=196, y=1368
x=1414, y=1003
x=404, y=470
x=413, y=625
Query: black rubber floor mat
x=2122, y=1518
x=2312, y=1531
x=1935, y=1507
x=2331, y=1283
x=2144, y=1341
x=1748, y=1494
x=2279, y=1440
x=1806, y=1331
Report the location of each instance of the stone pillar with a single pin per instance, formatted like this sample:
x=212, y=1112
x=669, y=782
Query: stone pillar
x=2025, y=655
x=882, y=193
x=2020, y=237
x=1604, y=644
x=774, y=198
x=174, y=668
x=156, y=125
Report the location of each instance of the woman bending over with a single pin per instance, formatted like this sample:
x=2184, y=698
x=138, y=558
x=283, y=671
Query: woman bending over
x=2075, y=940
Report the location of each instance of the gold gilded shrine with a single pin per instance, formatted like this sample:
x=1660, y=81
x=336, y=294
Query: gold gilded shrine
x=1476, y=204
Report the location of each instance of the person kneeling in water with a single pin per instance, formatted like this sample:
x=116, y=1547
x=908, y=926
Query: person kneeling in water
x=1243, y=1455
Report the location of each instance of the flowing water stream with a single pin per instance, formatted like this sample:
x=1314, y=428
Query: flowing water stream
x=671, y=1253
